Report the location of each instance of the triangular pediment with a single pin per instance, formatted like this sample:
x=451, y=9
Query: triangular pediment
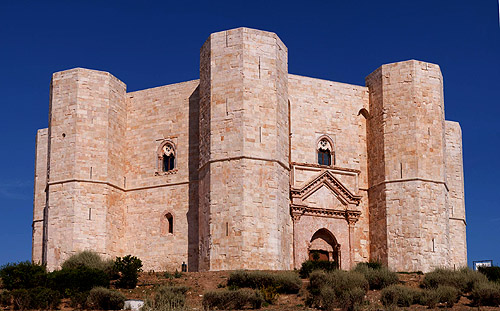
x=328, y=186
x=324, y=197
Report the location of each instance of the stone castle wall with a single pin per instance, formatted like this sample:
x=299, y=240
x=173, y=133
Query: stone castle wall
x=455, y=182
x=244, y=152
x=318, y=108
x=247, y=190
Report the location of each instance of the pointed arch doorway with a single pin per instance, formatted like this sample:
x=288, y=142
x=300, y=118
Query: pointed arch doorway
x=324, y=246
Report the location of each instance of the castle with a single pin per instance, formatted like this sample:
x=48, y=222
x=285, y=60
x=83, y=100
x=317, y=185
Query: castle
x=251, y=167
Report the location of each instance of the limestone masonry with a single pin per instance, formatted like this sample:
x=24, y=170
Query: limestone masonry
x=251, y=167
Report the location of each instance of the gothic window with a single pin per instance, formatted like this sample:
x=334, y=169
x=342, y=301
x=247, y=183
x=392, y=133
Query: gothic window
x=325, y=152
x=166, y=157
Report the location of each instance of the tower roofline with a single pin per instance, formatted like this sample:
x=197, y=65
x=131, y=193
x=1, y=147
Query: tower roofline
x=247, y=29
x=415, y=61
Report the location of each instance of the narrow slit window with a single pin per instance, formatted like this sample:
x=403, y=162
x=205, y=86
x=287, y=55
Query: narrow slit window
x=170, y=223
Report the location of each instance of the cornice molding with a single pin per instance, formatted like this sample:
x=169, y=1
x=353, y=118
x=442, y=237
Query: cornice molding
x=351, y=216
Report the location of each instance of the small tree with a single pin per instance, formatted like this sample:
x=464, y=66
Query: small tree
x=129, y=268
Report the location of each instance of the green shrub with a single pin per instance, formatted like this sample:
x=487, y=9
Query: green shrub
x=398, y=295
x=375, y=265
x=35, y=298
x=270, y=294
x=444, y=294
x=101, y=298
x=350, y=299
x=427, y=298
x=378, y=277
x=492, y=273
x=44, y=298
x=168, y=275
x=342, y=289
x=5, y=298
x=448, y=294
x=284, y=282
x=78, y=300
x=463, y=279
x=167, y=298
x=89, y=259
x=182, y=290
x=80, y=279
x=21, y=299
x=129, y=268
x=309, y=266
x=230, y=300
x=486, y=294
x=23, y=275
x=177, y=274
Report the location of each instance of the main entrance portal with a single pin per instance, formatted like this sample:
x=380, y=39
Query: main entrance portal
x=324, y=246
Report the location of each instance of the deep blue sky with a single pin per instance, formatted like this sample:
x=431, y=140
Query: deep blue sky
x=152, y=43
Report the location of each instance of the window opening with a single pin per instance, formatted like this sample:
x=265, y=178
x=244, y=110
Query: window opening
x=170, y=220
x=324, y=152
x=168, y=157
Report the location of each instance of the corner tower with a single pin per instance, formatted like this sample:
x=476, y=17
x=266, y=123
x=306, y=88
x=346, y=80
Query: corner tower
x=408, y=195
x=83, y=202
x=244, y=152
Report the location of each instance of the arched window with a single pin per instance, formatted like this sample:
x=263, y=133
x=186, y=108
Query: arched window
x=166, y=157
x=325, y=152
x=170, y=223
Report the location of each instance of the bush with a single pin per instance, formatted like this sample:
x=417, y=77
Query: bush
x=284, y=282
x=350, y=299
x=90, y=260
x=378, y=277
x=23, y=275
x=309, y=266
x=44, y=298
x=101, y=298
x=35, y=298
x=398, y=295
x=427, y=298
x=463, y=279
x=21, y=299
x=230, y=300
x=342, y=289
x=444, y=294
x=486, y=294
x=492, y=273
x=129, y=268
x=78, y=300
x=80, y=279
x=375, y=265
x=167, y=298
x=448, y=294
x=5, y=298
x=269, y=294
